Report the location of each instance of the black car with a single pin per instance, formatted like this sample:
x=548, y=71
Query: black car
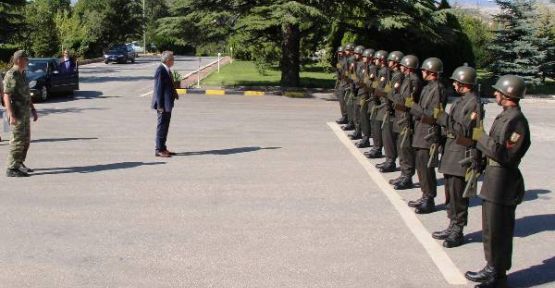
x=119, y=54
x=48, y=76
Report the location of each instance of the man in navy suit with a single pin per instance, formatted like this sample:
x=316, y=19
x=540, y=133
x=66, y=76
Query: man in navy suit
x=67, y=65
x=162, y=101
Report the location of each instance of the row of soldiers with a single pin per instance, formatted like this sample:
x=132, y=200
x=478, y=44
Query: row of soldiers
x=388, y=107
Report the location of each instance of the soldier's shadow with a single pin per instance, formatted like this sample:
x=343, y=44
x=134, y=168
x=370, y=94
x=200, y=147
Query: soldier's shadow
x=93, y=168
x=524, y=227
x=535, y=275
x=229, y=151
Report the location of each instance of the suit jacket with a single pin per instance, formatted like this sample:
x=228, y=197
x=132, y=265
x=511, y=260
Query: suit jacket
x=66, y=66
x=457, y=124
x=164, y=93
x=506, y=144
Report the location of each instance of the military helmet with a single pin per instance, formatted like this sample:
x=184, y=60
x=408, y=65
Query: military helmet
x=511, y=86
x=349, y=47
x=395, y=56
x=340, y=49
x=380, y=55
x=368, y=53
x=359, y=49
x=465, y=75
x=433, y=64
x=410, y=61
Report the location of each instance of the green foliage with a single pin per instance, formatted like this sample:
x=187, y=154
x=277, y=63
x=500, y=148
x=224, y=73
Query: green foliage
x=40, y=37
x=10, y=18
x=479, y=34
x=517, y=47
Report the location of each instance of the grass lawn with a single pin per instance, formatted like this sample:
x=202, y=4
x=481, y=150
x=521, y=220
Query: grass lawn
x=244, y=73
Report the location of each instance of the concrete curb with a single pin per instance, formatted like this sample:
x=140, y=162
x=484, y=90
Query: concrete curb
x=89, y=61
x=220, y=92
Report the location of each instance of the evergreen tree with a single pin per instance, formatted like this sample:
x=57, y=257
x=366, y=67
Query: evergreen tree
x=516, y=45
x=10, y=15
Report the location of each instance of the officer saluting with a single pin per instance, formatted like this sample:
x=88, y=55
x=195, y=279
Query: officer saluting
x=503, y=186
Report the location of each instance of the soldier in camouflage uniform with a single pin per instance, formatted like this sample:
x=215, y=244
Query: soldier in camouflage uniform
x=376, y=114
x=357, y=77
x=503, y=187
x=340, y=86
x=368, y=75
x=19, y=108
x=389, y=128
x=347, y=64
x=404, y=124
x=352, y=92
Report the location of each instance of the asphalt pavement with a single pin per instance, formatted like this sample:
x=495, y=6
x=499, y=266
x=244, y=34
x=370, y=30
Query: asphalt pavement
x=263, y=193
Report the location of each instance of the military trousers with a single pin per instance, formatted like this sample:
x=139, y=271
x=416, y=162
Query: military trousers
x=426, y=175
x=498, y=224
x=376, y=127
x=349, y=102
x=357, y=114
x=406, y=152
x=389, y=139
x=457, y=208
x=20, y=141
x=365, y=119
x=340, y=94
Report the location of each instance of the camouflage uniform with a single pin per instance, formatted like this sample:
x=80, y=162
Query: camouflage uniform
x=15, y=84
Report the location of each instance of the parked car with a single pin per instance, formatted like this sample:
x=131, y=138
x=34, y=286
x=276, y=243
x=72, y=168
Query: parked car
x=547, y=70
x=136, y=46
x=119, y=54
x=46, y=76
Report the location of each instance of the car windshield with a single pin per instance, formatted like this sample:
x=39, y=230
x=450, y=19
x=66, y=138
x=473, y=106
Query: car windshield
x=118, y=49
x=37, y=67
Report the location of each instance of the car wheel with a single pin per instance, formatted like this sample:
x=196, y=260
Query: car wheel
x=106, y=62
x=44, y=93
x=132, y=60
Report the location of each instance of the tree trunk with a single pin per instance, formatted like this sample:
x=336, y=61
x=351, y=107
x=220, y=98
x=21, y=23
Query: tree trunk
x=290, y=58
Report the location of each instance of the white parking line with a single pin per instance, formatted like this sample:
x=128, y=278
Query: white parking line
x=146, y=94
x=448, y=269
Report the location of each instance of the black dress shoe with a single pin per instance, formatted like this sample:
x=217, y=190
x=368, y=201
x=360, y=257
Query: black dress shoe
x=374, y=154
x=427, y=207
x=342, y=120
x=405, y=183
x=355, y=136
x=413, y=203
x=380, y=165
x=487, y=273
x=16, y=173
x=389, y=167
x=455, y=239
x=364, y=143
x=348, y=127
x=500, y=282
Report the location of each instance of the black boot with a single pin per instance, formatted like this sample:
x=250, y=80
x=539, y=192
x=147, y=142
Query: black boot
x=499, y=282
x=364, y=143
x=16, y=173
x=427, y=207
x=396, y=180
x=374, y=154
x=405, y=183
x=487, y=273
x=380, y=165
x=413, y=203
x=455, y=238
x=348, y=127
x=355, y=136
x=388, y=167
x=343, y=120
x=443, y=234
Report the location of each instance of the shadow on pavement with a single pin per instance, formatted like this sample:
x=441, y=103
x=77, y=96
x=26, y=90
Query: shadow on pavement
x=50, y=111
x=93, y=168
x=230, y=151
x=534, y=276
x=112, y=78
x=61, y=139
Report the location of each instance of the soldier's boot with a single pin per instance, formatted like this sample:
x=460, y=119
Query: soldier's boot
x=487, y=273
x=355, y=136
x=499, y=282
x=364, y=143
x=414, y=203
x=349, y=127
x=394, y=181
x=374, y=153
x=380, y=165
x=405, y=183
x=455, y=238
x=16, y=173
x=443, y=234
x=25, y=169
x=388, y=167
x=343, y=120
x=427, y=207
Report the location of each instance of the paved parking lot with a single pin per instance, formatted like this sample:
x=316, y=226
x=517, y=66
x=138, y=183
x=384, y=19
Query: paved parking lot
x=263, y=193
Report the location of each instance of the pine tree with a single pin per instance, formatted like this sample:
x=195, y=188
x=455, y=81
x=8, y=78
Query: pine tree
x=10, y=15
x=517, y=48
